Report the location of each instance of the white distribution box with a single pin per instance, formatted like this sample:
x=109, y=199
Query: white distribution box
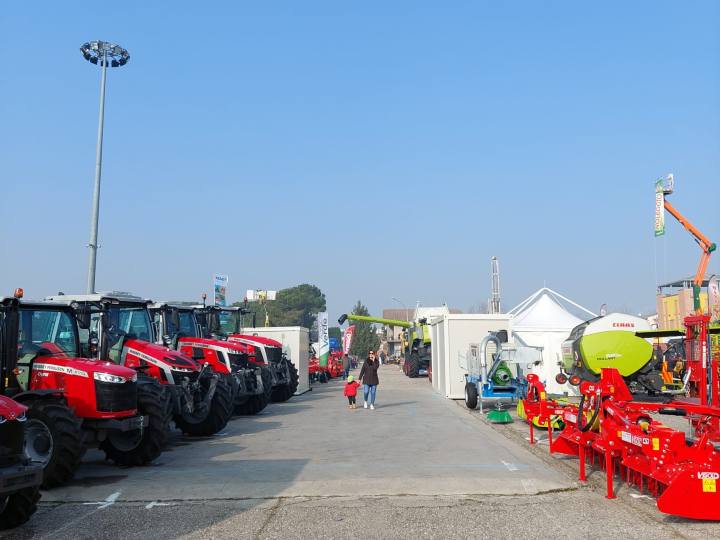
x=295, y=341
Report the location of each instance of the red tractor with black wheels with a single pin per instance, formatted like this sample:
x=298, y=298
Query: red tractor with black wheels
x=20, y=479
x=179, y=329
x=122, y=333
x=74, y=402
x=226, y=323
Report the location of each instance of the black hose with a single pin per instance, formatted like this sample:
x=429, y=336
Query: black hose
x=581, y=416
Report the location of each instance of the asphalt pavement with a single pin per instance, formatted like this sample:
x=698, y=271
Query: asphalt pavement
x=419, y=466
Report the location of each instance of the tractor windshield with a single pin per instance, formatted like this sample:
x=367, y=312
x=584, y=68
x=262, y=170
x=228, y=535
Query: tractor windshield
x=47, y=332
x=228, y=321
x=133, y=321
x=186, y=327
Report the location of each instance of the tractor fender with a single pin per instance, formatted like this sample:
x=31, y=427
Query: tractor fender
x=29, y=395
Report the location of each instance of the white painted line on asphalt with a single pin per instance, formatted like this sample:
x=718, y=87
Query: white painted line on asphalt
x=510, y=466
x=107, y=502
x=155, y=503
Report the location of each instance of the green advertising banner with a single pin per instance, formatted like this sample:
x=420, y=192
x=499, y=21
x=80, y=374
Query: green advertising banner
x=659, y=208
x=323, y=338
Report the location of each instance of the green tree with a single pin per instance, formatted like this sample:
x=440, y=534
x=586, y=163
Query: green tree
x=335, y=332
x=364, y=339
x=295, y=306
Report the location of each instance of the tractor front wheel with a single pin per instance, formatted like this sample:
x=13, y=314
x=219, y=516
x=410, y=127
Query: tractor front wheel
x=257, y=403
x=140, y=447
x=16, y=508
x=216, y=416
x=53, y=439
x=283, y=393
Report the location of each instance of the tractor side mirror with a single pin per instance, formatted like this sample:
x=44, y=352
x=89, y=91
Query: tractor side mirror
x=83, y=319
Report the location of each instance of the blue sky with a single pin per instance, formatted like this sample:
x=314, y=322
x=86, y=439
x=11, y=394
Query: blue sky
x=375, y=149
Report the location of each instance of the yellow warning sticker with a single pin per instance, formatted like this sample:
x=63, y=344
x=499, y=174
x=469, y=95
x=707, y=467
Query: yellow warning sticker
x=656, y=444
x=543, y=395
x=709, y=485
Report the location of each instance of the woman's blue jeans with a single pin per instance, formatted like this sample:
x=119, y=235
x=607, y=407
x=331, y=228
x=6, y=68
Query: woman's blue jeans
x=370, y=389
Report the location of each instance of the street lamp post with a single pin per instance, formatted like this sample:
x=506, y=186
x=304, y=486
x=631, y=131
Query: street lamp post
x=104, y=53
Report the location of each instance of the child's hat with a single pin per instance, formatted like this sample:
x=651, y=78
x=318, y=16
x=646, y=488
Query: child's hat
x=351, y=378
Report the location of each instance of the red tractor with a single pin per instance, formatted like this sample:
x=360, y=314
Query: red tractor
x=74, y=402
x=179, y=329
x=121, y=331
x=226, y=323
x=20, y=479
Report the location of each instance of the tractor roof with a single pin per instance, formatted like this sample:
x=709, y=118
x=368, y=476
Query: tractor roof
x=113, y=297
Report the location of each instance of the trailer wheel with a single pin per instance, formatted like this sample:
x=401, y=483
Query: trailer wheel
x=53, y=438
x=217, y=416
x=471, y=395
x=283, y=393
x=16, y=508
x=255, y=404
x=413, y=366
x=133, y=448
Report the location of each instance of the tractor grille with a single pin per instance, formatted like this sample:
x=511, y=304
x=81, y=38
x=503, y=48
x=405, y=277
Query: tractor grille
x=178, y=376
x=238, y=361
x=113, y=397
x=274, y=354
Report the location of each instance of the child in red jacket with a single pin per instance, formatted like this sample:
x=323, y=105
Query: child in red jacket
x=351, y=391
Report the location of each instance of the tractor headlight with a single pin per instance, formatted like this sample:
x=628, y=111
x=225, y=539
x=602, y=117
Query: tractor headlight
x=108, y=378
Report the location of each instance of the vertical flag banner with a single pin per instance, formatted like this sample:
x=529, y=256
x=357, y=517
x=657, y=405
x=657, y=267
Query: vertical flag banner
x=323, y=338
x=220, y=290
x=659, y=208
x=347, y=338
x=714, y=299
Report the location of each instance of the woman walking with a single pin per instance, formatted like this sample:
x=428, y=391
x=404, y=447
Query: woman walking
x=369, y=376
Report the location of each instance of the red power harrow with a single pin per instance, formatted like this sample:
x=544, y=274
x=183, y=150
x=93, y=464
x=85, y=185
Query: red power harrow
x=622, y=437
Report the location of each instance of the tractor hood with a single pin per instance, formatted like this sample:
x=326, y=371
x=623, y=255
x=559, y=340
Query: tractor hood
x=257, y=339
x=157, y=354
x=81, y=367
x=215, y=344
x=11, y=410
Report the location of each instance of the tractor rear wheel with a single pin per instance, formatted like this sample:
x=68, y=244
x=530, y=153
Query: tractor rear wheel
x=53, y=438
x=283, y=393
x=412, y=366
x=16, y=508
x=257, y=403
x=471, y=395
x=216, y=417
x=140, y=448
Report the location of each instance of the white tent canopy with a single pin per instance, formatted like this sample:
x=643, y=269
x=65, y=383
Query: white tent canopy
x=541, y=320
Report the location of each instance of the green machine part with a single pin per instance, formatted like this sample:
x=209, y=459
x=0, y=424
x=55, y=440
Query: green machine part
x=379, y=320
x=622, y=350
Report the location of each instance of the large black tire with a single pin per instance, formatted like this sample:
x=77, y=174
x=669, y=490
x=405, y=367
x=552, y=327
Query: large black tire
x=412, y=366
x=221, y=408
x=471, y=395
x=152, y=402
x=283, y=393
x=255, y=404
x=54, y=432
x=16, y=508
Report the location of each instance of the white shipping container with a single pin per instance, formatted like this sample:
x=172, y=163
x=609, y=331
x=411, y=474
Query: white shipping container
x=296, y=342
x=451, y=337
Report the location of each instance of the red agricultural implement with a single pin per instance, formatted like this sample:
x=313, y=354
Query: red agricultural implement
x=625, y=439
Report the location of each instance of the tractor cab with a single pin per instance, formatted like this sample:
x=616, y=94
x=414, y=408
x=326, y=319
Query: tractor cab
x=121, y=331
x=89, y=402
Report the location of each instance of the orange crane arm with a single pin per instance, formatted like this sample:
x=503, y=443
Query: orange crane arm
x=706, y=245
